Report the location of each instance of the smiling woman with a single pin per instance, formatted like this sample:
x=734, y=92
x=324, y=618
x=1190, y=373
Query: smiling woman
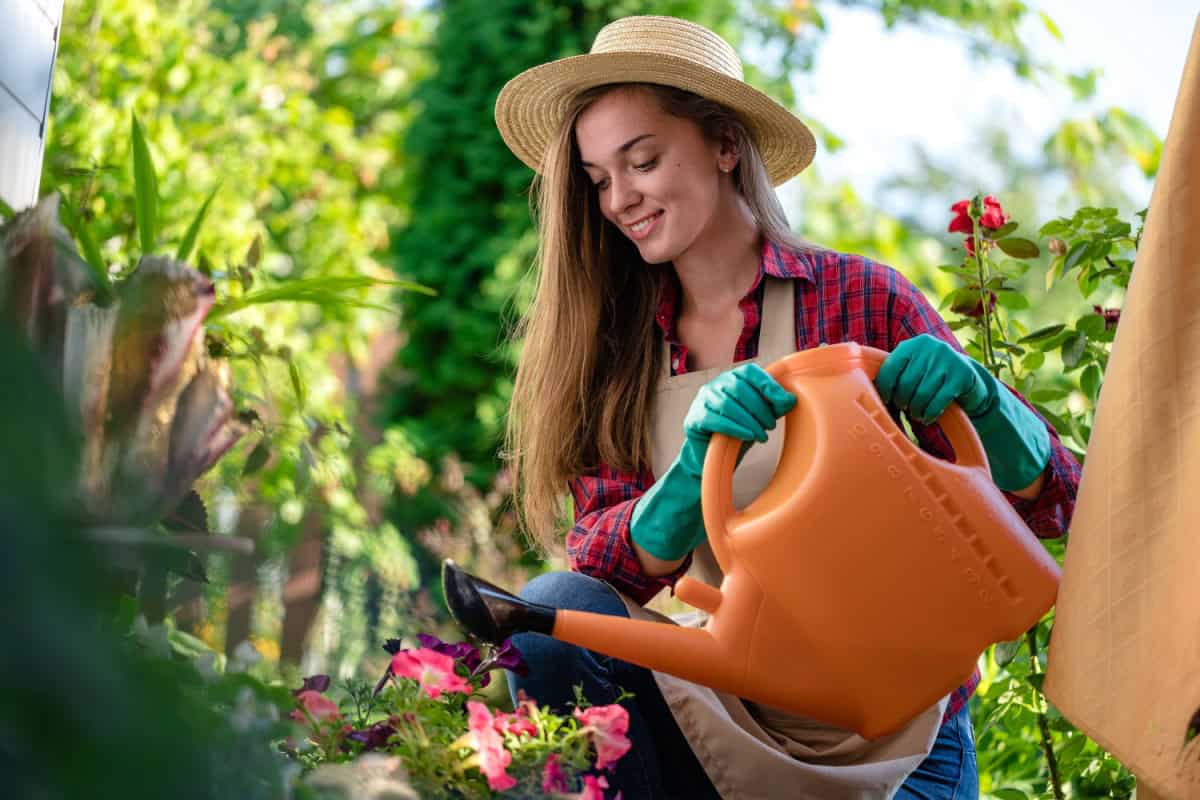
x=668, y=274
x=669, y=168
x=673, y=191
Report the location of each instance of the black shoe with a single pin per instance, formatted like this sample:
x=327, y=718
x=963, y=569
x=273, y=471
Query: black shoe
x=488, y=611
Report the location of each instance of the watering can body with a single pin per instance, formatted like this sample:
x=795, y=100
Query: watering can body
x=864, y=581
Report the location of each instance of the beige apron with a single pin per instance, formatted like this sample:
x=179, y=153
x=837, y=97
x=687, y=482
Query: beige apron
x=749, y=750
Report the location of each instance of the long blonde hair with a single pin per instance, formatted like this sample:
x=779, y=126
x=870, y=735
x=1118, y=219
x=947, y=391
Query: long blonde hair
x=590, y=357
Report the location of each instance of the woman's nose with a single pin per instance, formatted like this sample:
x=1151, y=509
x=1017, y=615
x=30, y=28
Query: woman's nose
x=621, y=195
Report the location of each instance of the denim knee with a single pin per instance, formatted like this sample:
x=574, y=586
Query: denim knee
x=556, y=666
x=575, y=591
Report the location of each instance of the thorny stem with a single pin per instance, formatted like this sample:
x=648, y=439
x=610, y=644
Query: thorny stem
x=1043, y=724
x=981, y=265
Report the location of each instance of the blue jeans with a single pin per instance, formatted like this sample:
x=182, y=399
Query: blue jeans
x=661, y=763
x=949, y=772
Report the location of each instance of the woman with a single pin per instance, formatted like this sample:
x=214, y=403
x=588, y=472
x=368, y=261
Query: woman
x=666, y=259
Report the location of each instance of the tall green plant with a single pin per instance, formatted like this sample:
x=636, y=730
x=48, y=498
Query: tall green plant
x=291, y=108
x=1059, y=366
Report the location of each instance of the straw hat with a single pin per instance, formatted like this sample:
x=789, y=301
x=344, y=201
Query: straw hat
x=662, y=50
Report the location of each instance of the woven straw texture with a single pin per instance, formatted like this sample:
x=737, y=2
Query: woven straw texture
x=661, y=50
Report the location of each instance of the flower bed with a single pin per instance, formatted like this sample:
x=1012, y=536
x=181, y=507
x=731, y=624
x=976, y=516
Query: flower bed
x=426, y=725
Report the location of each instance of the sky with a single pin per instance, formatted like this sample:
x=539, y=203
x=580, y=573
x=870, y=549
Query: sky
x=882, y=91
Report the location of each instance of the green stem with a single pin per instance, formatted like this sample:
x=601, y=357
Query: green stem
x=989, y=358
x=1031, y=634
x=1043, y=723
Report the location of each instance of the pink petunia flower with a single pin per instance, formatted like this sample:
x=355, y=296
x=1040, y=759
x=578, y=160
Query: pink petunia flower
x=553, y=777
x=489, y=747
x=433, y=671
x=515, y=724
x=319, y=707
x=593, y=787
x=526, y=705
x=608, y=726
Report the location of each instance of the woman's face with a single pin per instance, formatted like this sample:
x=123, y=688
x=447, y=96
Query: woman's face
x=656, y=177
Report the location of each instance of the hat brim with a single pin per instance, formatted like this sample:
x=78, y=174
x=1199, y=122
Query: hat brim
x=531, y=106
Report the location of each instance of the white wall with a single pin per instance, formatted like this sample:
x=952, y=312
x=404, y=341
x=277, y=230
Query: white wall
x=28, y=42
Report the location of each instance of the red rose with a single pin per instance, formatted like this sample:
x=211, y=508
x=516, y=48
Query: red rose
x=962, y=218
x=993, y=216
x=960, y=224
x=1112, y=316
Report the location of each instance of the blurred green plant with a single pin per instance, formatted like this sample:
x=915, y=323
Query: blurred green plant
x=102, y=704
x=1096, y=250
x=148, y=394
x=150, y=407
x=291, y=108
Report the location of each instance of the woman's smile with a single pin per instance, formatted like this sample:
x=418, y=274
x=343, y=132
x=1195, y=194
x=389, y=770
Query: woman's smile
x=643, y=227
x=644, y=162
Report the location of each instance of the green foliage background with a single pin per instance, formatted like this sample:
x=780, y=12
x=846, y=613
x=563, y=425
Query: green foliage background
x=342, y=140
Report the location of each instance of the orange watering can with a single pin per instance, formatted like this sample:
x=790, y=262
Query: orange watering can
x=859, y=587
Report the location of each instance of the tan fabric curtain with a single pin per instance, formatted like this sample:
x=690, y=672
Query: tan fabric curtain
x=1124, y=660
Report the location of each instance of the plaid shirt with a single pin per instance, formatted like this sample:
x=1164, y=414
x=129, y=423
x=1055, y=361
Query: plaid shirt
x=839, y=298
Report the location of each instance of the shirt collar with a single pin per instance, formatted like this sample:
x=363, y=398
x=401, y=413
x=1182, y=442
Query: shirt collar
x=774, y=259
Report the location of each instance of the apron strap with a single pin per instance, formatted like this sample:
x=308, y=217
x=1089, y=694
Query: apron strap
x=776, y=339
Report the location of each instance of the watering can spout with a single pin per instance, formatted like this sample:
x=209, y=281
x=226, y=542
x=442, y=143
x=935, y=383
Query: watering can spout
x=493, y=615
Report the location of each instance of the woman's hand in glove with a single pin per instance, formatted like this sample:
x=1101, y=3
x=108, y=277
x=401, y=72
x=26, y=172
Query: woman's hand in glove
x=744, y=403
x=924, y=374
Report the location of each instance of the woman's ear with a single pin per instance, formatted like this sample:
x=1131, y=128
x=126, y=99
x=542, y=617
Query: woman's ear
x=728, y=156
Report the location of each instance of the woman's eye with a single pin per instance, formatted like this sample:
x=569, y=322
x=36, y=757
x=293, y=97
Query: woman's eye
x=645, y=166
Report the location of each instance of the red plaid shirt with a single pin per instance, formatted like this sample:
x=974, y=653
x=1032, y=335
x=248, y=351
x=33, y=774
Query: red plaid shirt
x=839, y=298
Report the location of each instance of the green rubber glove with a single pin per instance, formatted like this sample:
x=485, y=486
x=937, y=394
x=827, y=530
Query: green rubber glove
x=924, y=374
x=744, y=403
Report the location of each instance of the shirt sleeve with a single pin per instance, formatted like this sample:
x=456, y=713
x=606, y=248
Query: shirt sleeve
x=599, y=544
x=1049, y=514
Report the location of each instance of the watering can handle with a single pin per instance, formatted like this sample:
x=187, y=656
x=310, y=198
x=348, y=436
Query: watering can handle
x=721, y=458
